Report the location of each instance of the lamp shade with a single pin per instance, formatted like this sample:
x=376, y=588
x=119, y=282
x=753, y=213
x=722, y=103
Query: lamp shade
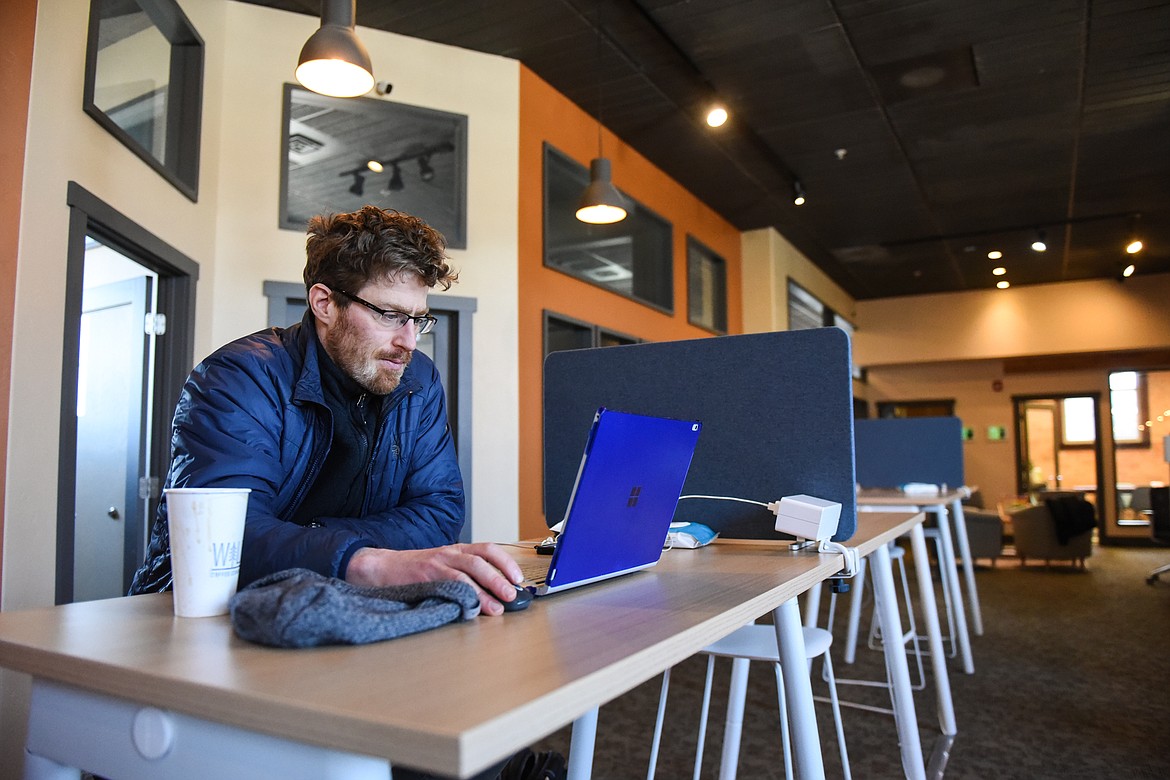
x=334, y=61
x=601, y=203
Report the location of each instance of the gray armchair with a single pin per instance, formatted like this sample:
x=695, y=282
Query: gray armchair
x=1037, y=535
x=984, y=529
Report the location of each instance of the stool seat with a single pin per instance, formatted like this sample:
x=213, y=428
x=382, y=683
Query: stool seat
x=753, y=642
x=758, y=643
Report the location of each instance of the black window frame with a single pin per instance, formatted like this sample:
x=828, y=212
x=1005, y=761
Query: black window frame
x=184, y=94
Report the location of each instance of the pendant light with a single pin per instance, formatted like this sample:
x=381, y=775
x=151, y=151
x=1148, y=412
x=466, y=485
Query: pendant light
x=601, y=203
x=334, y=61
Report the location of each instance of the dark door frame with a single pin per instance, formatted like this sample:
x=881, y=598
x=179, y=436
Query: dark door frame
x=174, y=353
x=1018, y=402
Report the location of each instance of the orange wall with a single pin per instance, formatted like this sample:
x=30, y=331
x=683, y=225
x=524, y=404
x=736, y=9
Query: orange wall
x=546, y=115
x=18, y=20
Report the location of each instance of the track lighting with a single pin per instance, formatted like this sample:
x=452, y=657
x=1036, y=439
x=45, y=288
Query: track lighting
x=359, y=184
x=1134, y=244
x=395, y=184
x=425, y=171
x=798, y=198
x=334, y=61
x=1039, y=245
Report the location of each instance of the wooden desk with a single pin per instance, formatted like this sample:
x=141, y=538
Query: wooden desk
x=938, y=505
x=450, y=701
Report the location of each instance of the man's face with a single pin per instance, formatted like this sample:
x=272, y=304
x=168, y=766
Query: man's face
x=372, y=353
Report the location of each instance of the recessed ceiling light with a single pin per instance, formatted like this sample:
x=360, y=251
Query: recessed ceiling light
x=1134, y=247
x=994, y=254
x=1003, y=284
x=1129, y=269
x=717, y=116
x=1000, y=271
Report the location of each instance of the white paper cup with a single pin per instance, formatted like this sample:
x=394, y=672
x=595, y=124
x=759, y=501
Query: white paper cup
x=207, y=532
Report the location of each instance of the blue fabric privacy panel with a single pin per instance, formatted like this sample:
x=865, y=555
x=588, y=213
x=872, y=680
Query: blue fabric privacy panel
x=776, y=408
x=892, y=452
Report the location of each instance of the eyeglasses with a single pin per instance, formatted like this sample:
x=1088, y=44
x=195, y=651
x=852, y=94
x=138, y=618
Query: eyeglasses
x=395, y=320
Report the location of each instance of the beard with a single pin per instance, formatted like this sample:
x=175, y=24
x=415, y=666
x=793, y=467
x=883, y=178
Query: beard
x=353, y=355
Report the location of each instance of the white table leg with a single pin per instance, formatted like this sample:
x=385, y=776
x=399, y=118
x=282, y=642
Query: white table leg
x=812, y=605
x=581, y=745
x=806, y=742
x=855, y=613
x=950, y=574
x=938, y=662
x=968, y=565
x=733, y=724
x=886, y=597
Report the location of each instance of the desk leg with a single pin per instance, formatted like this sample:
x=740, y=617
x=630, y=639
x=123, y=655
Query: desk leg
x=968, y=565
x=886, y=598
x=733, y=724
x=581, y=746
x=950, y=574
x=806, y=741
x=938, y=661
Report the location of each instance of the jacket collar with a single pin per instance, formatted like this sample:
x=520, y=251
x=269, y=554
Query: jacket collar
x=301, y=340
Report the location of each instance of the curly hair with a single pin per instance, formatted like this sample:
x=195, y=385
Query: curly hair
x=346, y=251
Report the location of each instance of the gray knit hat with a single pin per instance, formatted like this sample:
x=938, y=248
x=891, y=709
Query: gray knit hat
x=301, y=608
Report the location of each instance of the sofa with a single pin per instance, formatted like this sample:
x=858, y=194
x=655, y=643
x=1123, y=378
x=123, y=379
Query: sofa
x=1058, y=529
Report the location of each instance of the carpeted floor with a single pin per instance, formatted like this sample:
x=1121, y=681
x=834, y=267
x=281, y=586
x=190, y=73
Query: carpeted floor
x=1072, y=680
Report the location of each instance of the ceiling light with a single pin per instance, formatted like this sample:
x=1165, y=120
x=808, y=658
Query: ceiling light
x=359, y=184
x=374, y=166
x=1128, y=272
x=333, y=61
x=1003, y=284
x=425, y=171
x=1134, y=243
x=601, y=203
x=1000, y=271
x=994, y=254
x=798, y=194
x=395, y=184
x=717, y=116
x=1038, y=245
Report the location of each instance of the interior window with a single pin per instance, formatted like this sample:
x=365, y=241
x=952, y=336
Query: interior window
x=632, y=258
x=144, y=84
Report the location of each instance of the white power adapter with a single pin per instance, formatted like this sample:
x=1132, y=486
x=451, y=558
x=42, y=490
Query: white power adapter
x=807, y=517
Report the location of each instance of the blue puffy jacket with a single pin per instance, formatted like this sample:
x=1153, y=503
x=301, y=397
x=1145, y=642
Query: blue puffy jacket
x=253, y=415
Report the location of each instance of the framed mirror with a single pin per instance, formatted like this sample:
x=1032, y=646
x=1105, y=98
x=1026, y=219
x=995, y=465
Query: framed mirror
x=342, y=153
x=144, y=84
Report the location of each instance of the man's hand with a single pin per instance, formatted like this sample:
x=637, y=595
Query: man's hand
x=484, y=566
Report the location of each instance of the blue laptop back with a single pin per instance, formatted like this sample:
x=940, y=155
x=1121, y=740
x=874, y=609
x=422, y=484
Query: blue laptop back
x=628, y=484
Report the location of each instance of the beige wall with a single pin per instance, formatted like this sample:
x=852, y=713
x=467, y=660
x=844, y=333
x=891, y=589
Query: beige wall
x=769, y=261
x=1051, y=319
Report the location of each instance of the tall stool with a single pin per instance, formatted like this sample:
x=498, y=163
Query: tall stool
x=909, y=639
x=751, y=643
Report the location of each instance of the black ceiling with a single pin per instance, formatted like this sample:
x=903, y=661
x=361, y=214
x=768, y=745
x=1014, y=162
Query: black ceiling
x=925, y=132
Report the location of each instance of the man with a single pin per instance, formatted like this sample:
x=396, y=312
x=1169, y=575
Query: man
x=337, y=426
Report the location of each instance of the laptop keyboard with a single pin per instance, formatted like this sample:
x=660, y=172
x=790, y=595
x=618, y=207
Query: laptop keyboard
x=535, y=570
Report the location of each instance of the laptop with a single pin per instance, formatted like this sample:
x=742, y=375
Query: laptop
x=629, y=481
